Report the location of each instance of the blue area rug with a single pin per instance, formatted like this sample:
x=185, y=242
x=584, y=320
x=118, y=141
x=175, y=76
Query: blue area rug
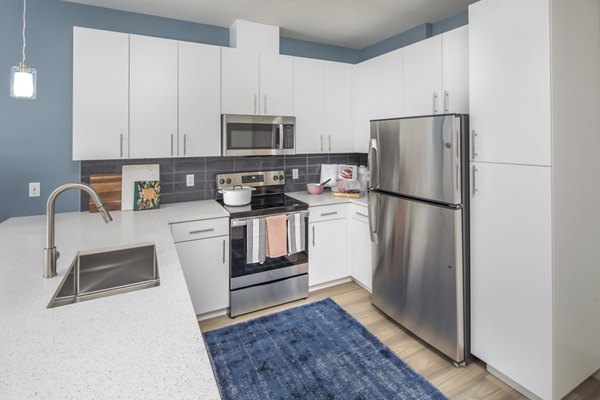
x=316, y=351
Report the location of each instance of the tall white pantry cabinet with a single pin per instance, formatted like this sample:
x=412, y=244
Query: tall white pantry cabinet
x=535, y=191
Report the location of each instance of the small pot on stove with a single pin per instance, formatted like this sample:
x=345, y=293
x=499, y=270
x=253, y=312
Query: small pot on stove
x=237, y=195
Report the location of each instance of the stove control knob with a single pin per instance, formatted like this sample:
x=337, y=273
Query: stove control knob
x=228, y=181
x=280, y=177
x=221, y=181
x=275, y=177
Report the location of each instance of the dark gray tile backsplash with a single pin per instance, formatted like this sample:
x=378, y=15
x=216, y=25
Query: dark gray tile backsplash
x=173, y=172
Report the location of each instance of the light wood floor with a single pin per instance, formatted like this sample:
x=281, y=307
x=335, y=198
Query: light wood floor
x=472, y=382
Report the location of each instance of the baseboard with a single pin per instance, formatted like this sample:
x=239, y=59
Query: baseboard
x=597, y=375
x=362, y=285
x=329, y=284
x=512, y=383
x=212, y=314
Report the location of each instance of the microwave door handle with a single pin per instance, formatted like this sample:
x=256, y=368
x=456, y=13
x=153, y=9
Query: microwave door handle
x=280, y=144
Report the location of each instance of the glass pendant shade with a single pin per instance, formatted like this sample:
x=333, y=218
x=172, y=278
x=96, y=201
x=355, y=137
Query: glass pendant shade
x=22, y=82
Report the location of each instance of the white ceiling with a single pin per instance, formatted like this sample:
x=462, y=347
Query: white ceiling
x=349, y=23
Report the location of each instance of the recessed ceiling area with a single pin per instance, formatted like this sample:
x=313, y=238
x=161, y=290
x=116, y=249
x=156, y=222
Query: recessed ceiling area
x=349, y=23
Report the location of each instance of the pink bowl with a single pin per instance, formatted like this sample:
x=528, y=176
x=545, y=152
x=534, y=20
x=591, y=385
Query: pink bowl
x=314, y=188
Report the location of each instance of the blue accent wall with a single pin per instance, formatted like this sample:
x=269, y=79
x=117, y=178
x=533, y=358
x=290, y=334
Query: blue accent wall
x=35, y=136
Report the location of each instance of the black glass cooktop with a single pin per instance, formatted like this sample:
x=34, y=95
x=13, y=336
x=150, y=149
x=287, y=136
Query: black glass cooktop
x=266, y=205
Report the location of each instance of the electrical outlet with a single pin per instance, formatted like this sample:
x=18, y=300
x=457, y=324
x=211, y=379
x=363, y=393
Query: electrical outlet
x=295, y=173
x=189, y=180
x=34, y=189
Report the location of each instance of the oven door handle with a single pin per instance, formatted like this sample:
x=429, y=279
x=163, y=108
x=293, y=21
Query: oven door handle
x=244, y=221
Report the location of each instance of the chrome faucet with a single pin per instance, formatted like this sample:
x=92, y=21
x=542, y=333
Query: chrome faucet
x=50, y=252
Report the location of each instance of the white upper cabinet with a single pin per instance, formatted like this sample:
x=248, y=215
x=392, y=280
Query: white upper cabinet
x=100, y=94
x=239, y=81
x=153, y=97
x=308, y=105
x=377, y=93
x=455, y=70
x=509, y=48
x=199, y=100
x=276, y=84
x=422, y=77
x=337, y=98
x=256, y=84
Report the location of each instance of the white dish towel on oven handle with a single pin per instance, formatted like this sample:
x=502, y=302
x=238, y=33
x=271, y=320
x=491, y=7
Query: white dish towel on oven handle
x=296, y=233
x=255, y=241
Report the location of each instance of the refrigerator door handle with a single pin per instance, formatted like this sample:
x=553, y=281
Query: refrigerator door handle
x=373, y=216
x=373, y=164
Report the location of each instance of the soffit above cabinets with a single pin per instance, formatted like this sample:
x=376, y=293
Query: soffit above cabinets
x=348, y=23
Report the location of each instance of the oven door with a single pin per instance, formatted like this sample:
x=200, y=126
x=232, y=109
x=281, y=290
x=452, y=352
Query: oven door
x=252, y=135
x=243, y=274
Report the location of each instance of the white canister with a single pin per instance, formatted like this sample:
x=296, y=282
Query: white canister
x=362, y=177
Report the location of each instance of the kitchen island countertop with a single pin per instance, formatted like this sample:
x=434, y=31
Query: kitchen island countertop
x=144, y=344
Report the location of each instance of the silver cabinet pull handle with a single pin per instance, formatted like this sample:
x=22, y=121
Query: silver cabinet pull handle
x=255, y=111
x=446, y=101
x=265, y=104
x=435, y=101
x=172, y=144
x=362, y=215
x=223, y=251
x=121, y=144
x=313, y=239
x=328, y=213
x=201, y=231
x=329, y=137
x=475, y=185
x=473, y=144
x=184, y=144
x=321, y=143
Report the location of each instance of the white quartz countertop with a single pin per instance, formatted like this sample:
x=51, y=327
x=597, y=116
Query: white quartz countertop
x=326, y=198
x=139, y=345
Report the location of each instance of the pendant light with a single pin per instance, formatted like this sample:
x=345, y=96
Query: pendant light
x=23, y=78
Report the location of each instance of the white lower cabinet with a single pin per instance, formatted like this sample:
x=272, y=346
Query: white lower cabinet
x=359, y=246
x=327, y=244
x=205, y=263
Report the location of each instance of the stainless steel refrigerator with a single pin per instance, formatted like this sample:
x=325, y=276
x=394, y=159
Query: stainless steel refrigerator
x=418, y=210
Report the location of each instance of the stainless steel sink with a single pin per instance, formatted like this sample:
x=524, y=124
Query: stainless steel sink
x=95, y=274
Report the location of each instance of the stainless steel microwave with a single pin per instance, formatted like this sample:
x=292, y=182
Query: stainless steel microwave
x=258, y=135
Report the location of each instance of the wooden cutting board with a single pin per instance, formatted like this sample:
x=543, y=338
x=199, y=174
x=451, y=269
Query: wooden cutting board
x=108, y=187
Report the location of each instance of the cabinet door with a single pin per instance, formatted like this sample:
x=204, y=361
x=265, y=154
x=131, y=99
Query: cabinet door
x=423, y=78
x=511, y=272
x=199, y=100
x=509, y=56
x=455, y=70
x=359, y=250
x=377, y=93
x=239, y=81
x=153, y=97
x=327, y=251
x=337, y=98
x=308, y=105
x=205, y=265
x=100, y=94
x=276, y=84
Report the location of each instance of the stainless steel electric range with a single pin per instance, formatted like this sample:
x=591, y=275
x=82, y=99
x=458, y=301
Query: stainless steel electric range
x=254, y=286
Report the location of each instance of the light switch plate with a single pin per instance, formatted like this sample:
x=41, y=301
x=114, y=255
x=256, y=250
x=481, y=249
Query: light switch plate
x=189, y=180
x=34, y=189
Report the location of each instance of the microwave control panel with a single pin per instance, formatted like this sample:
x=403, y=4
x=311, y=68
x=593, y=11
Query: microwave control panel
x=288, y=136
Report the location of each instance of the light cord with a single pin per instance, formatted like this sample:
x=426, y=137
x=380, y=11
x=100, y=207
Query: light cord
x=24, y=11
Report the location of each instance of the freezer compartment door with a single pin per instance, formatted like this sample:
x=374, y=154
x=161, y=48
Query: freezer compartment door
x=418, y=157
x=418, y=270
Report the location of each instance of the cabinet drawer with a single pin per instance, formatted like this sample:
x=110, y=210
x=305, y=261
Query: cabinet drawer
x=325, y=213
x=359, y=213
x=201, y=229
